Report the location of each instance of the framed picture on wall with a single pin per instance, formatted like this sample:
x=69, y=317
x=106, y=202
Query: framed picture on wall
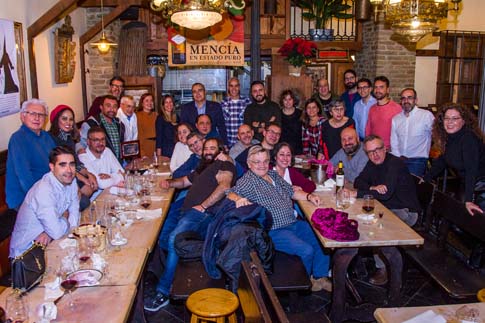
x=19, y=44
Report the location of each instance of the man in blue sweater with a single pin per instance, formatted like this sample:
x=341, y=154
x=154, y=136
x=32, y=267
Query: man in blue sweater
x=28, y=152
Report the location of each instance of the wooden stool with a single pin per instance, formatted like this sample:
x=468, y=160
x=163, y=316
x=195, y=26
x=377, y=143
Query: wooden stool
x=213, y=305
x=481, y=295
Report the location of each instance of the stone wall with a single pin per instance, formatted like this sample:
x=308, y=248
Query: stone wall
x=102, y=67
x=382, y=54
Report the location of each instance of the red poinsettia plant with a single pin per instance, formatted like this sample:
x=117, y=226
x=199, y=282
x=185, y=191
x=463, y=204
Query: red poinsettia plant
x=298, y=50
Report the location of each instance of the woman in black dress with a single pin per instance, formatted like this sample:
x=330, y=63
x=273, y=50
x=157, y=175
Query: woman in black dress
x=332, y=128
x=291, y=121
x=165, y=128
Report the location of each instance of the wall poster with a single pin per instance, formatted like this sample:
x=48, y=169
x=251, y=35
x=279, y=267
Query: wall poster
x=219, y=45
x=9, y=75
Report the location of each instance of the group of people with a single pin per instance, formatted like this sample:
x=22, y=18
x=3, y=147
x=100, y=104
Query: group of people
x=240, y=149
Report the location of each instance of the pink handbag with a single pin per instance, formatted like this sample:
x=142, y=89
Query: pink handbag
x=335, y=225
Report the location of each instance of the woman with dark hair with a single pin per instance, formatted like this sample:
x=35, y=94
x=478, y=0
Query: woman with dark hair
x=311, y=129
x=332, y=128
x=146, y=125
x=283, y=161
x=165, y=127
x=65, y=133
x=456, y=133
x=290, y=120
x=181, y=152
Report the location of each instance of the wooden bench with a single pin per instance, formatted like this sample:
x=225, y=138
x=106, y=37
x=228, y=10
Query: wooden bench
x=258, y=299
x=289, y=275
x=438, y=256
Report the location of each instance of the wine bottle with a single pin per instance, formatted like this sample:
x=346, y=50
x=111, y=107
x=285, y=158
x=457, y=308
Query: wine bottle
x=339, y=178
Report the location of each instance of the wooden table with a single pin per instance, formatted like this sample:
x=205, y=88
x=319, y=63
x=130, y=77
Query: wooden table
x=125, y=266
x=92, y=304
x=394, y=232
x=401, y=314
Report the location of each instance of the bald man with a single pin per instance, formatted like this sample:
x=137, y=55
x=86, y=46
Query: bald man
x=352, y=154
x=245, y=136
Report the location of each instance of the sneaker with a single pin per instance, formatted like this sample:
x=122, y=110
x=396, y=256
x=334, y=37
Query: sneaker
x=156, y=302
x=321, y=283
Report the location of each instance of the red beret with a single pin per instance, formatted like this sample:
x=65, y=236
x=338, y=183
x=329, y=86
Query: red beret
x=58, y=110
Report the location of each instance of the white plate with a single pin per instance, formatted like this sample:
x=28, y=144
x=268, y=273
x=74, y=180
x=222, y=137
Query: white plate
x=86, y=277
x=119, y=242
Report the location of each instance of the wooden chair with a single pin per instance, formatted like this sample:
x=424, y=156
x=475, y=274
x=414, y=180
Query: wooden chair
x=425, y=192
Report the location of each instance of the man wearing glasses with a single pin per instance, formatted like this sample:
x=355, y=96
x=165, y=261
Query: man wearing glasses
x=116, y=87
x=28, y=152
x=387, y=179
x=411, y=133
x=101, y=161
x=362, y=107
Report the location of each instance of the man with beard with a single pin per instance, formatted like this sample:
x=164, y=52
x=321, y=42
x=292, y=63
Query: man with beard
x=350, y=96
x=51, y=206
x=208, y=184
x=380, y=116
x=351, y=154
x=262, y=111
x=116, y=87
x=324, y=97
x=114, y=129
x=411, y=133
x=245, y=135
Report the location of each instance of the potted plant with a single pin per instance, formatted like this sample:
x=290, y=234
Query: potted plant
x=297, y=51
x=322, y=11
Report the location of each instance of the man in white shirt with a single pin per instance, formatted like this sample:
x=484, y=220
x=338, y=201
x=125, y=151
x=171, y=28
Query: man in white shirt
x=411, y=133
x=126, y=114
x=101, y=161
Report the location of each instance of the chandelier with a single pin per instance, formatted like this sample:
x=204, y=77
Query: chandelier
x=413, y=19
x=103, y=44
x=195, y=14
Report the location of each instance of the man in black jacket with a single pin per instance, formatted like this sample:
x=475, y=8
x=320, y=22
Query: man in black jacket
x=387, y=178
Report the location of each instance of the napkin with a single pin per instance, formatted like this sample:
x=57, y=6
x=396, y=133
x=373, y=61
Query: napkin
x=164, y=173
x=119, y=190
x=321, y=188
x=52, y=290
x=148, y=214
x=330, y=183
x=158, y=198
x=47, y=312
x=98, y=262
x=427, y=317
x=68, y=243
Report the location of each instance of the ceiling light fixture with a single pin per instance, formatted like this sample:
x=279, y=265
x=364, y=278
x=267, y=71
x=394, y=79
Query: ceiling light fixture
x=413, y=19
x=103, y=44
x=195, y=14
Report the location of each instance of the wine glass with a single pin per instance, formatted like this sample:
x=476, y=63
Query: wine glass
x=68, y=285
x=17, y=309
x=145, y=202
x=368, y=204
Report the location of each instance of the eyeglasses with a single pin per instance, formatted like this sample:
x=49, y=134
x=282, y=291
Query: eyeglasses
x=35, y=115
x=375, y=151
x=194, y=143
x=409, y=98
x=260, y=162
x=97, y=139
x=451, y=119
x=274, y=133
x=338, y=110
x=363, y=87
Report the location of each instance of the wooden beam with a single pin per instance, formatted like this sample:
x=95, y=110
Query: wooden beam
x=93, y=31
x=53, y=15
x=427, y=52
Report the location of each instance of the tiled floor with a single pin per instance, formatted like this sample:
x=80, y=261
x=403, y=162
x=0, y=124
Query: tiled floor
x=417, y=290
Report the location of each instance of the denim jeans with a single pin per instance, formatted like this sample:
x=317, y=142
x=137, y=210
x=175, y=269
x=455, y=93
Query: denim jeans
x=298, y=239
x=417, y=166
x=190, y=220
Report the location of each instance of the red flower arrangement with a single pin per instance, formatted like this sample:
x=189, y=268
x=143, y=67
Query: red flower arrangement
x=298, y=50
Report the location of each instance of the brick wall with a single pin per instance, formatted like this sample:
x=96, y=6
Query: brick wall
x=383, y=55
x=102, y=67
